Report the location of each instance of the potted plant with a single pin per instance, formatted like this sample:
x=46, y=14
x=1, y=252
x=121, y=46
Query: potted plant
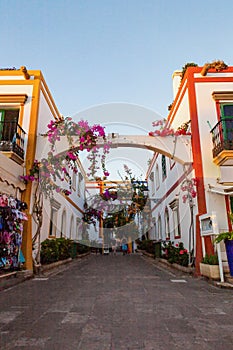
x=227, y=237
x=209, y=267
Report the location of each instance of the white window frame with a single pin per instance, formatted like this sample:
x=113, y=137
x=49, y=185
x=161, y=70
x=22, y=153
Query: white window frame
x=55, y=206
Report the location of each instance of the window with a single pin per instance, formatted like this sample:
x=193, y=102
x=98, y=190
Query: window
x=167, y=225
x=153, y=232
x=227, y=110
x=78, y=229
x=71, y=227
x=53, y=217
x=8, y=124
x=152, y=177
x=231, y=204
x=157, y=176
x=164, y=167
x=227, y=121
x=159, y=228
x=63, y=224
x=174, y=205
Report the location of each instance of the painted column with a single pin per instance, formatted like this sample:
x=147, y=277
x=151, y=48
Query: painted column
x=197, y=165
x=30, y=156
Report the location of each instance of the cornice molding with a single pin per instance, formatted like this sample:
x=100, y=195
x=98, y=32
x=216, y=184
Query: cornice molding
x=222, y=95
x=13, y=98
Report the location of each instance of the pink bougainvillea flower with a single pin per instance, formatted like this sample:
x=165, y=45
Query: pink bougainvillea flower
x=193, y=193
x=64, y=170
x=195, y=181
x=158, y=122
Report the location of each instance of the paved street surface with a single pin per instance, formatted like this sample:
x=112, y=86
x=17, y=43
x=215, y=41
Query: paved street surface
x=116, y=303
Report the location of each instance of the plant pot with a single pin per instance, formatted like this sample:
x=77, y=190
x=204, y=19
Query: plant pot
x=210, y=271
x=229, y=251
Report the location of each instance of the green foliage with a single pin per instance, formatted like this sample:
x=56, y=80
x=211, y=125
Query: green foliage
x=146, y=245
x=176, y=253
x=82, y=246
x=59, y=249
x=184, y=68
x=224, y=236
x=210, y=259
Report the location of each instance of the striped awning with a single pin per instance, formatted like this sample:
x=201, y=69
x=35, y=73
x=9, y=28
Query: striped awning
x=10, y=172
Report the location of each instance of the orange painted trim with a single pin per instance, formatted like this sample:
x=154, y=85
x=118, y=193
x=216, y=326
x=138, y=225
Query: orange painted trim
x=17, y=82
x=223, y=157
x=21, y=114
x=13, y=98
x=50, y=101
x=218, y=110
x=173, y=187
x=191, y=71
x=197, y=165
x=172, y=164
x=196, y=145
x=181, y=91
x=213, y=79
x=11, y=73
x=177, y=102
x=155, y=156
x=30, y=155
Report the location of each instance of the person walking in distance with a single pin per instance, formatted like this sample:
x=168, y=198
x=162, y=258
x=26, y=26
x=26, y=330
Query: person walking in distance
x=124, y=246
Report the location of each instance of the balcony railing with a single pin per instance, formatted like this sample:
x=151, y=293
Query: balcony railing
x=12, y=138
x=222, y=136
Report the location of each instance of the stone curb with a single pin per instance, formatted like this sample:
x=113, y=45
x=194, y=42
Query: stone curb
x=11, y=279
x=48, y=267
x=189, y=270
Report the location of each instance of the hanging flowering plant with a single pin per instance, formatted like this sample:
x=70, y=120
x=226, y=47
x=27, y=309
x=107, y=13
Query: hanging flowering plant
x=188, y=187
x=165, y=130
x=54, y=169
x=127, y=197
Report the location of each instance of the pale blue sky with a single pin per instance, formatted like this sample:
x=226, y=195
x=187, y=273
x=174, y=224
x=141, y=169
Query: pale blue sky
x=100, y=51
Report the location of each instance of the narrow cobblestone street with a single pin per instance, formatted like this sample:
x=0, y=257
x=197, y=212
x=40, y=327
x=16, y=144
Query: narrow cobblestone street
x=116, y=303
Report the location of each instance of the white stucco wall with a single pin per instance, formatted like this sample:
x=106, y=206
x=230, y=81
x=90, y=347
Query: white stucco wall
x=206, y=109
x=173, y=175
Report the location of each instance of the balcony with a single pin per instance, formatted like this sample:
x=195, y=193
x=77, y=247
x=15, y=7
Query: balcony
x=222, y=137
x=12, y=138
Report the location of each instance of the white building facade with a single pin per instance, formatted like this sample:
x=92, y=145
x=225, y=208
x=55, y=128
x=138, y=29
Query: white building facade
x=26, y=108
x=203, y=99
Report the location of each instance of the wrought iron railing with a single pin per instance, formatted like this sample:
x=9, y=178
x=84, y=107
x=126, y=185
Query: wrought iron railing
x=12, y=138
x=222, y=136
